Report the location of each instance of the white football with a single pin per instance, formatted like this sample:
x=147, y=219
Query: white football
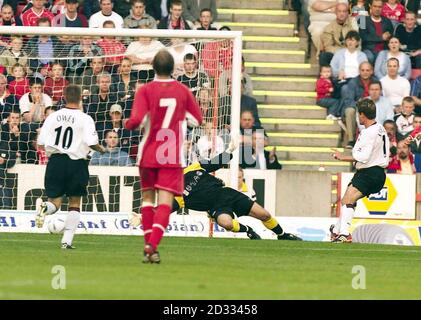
x=56, y=225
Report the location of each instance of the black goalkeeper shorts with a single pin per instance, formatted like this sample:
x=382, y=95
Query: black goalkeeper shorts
x=230, y=201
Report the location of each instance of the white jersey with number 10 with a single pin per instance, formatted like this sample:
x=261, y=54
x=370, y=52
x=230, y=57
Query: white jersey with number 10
x=68, y=131
x=372, y=147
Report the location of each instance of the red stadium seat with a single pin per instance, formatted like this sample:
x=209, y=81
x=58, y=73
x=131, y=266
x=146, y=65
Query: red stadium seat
x=415, y=73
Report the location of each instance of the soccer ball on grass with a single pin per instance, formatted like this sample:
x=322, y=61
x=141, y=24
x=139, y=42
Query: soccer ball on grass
x=56, y=225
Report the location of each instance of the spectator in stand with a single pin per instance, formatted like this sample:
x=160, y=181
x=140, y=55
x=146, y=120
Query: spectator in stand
x=210, y=143
x=353, y=91
x=6, y=19
x=375, y=31
x=141, y=53
x=204, y=99
x=174, y=21
x=129, y=140
x=98, y=105
x=403, y=161
x=138, y=16
x=31, y=16
x=112, y=48
x=192, y=77
x=405, y=119
x=395, y=87
x=70, y=18
x=322, y=12
x=7, y=161
x=391, y=130
x=325, y=89
x=243, y=187
x=80, y=53
x=416, y=94
x=384, y=109
x=32, y=104
x=8, y=101
x=90, y=76
x=345, y=63
x=55, y=84
x=250, y=104
x=206, y=20
x=380, y=69
x=20, y=85
x=20, y=137
x=415, y=142
x=42, y=49
x=394, y=11
x=193, y=8
x=178, y=50
x=409, y=35
x=334, y=34
x=97, y=20
x=14, y=54
x=256, y=157
x=114, y=156
x=124, y=82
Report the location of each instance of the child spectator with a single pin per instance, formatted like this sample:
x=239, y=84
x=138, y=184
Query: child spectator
x=14, y=54
x=32, y=105
x=20, y=85
x=55, y=85
x=404, y=120
x=394, y=11
x=325, y=89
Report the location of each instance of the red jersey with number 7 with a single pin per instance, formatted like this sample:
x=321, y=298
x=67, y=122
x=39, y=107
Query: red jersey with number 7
x=163, y=108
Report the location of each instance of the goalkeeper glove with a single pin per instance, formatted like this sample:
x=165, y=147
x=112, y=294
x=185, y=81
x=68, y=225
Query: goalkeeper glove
x=135, y=219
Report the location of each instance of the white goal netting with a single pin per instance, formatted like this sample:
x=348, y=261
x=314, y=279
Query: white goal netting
x=110, y=68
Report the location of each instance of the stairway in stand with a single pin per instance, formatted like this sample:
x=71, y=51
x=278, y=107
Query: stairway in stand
x=284, y=84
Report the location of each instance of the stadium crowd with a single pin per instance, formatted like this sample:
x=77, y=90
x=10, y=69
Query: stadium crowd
x=371, y=49
x=34, y=70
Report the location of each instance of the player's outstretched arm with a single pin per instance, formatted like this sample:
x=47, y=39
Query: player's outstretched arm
x=221, y=160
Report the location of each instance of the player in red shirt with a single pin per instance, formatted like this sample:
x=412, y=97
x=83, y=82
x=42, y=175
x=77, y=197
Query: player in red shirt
x=161, y=107
x=30, y=17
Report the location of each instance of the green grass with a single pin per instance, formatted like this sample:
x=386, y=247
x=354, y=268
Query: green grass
x=109, y=267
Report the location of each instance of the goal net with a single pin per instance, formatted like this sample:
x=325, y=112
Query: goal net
x=110, y=65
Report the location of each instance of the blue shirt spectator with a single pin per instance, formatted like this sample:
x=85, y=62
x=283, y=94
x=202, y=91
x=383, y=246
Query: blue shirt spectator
x=114, y=155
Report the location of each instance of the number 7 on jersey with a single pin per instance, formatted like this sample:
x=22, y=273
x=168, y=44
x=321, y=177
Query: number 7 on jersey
x=170, y=104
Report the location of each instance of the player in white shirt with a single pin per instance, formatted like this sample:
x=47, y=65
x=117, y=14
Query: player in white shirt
x=67, y=137
x=371, y=154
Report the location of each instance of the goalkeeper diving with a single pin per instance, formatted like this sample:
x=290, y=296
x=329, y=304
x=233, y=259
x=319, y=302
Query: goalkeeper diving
x=205, y=192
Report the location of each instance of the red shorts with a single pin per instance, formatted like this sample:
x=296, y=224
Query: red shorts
x=168, y=179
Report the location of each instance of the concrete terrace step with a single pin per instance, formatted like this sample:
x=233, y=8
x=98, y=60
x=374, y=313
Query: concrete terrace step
x=274, y=43
x=304, y=153
x=291, y=111
x=256, y=15
x=273, y=4
x=285, y=56
x=281, y=69
x=330, y=166
x=295, y=97
x=300, y=125
x=262, y=29
x=283, y=83
x=304, y=139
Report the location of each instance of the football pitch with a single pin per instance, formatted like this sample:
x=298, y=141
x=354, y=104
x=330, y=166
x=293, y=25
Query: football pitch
x=109, y=267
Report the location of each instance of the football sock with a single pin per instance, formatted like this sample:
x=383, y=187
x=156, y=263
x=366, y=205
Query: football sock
x=72, y=221
x=238, y=227
x=160, y=223
x=272, y=224
x=337, y=227
x=51, y=208
x=346, y=218
x=147, y=219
